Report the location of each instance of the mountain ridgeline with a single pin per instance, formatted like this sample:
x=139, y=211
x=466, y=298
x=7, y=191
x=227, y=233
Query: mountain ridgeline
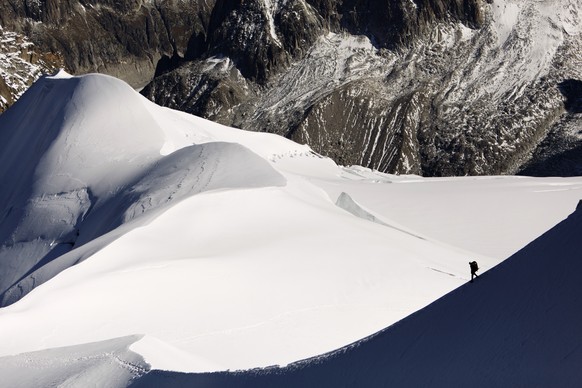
x=430, y=87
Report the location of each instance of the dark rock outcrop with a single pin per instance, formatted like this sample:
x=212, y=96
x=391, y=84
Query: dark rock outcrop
x=393, y=24
x=359, y=128
x=437, y=90
x=262, y=38
x=122, y=38
x=21, y=63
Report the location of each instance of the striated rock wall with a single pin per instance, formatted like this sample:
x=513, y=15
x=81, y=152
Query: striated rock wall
x=432, y=87
x=21, y=63
x=122, y=38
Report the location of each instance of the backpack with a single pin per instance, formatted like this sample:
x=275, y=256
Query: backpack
x=474, y=266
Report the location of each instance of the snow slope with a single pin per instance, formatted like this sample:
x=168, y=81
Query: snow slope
x=204, y=248
x=517, y=325
x=106, y=364
x=491, y=216
x=87, y=159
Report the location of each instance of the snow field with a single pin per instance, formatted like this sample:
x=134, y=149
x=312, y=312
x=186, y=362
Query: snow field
x=205, y=248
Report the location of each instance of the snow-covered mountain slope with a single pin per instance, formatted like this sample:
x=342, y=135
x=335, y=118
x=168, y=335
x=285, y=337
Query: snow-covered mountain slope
x=517, y=325
x=88, y=158
x=227, y=249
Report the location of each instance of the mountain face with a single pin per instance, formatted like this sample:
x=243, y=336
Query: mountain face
x=425, y=87
x=431, y=87
x=83, y=157
x=123, y=38
x=21, y=63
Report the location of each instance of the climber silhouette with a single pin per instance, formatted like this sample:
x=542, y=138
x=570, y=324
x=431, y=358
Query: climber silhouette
x=474, y=269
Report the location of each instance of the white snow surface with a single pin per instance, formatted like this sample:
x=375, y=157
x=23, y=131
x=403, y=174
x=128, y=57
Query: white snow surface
x=517, y=325
x=202, y=248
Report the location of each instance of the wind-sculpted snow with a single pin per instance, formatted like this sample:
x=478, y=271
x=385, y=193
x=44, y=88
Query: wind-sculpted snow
x=105, y=364
x=80, y=157
x=195, y=169
x=346, y=202
x=516, y=325
x=186, y=172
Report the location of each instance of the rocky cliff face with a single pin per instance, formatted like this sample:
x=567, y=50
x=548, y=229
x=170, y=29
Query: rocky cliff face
x=425, y=87
x=123, y=38
x=432, y=87
x=21, y=63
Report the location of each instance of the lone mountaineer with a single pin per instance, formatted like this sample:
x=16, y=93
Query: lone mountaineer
x=474, y=269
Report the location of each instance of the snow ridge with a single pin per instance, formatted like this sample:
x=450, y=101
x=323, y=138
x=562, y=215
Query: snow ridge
x=93, y=164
